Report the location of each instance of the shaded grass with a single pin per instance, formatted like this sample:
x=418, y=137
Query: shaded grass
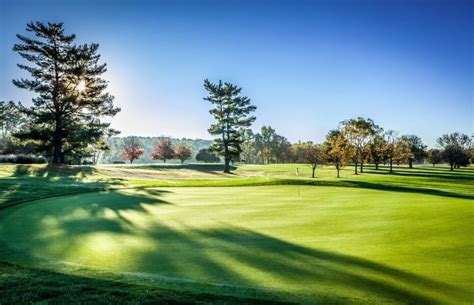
x=19, y=285
x=371, y=238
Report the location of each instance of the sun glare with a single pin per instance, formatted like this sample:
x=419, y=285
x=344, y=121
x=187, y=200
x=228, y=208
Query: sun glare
x=81, y=86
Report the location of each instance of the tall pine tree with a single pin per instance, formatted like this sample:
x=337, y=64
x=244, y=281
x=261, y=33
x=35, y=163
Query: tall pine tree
x=232, y=114
x=71, y=99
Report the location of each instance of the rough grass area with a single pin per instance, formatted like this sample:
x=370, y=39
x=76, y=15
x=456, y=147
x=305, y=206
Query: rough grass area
x=19, y=285
x=259, y=234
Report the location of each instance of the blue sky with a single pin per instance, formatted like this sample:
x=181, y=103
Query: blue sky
x=307, y=65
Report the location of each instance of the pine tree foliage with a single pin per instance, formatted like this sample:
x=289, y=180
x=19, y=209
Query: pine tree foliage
x=66, y=117
x=232, y=114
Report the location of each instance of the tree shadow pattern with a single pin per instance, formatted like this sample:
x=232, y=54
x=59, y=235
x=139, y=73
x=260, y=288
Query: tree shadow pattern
x=225, y=256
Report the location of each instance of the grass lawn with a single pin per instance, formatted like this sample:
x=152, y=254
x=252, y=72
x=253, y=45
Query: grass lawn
x=182, y=234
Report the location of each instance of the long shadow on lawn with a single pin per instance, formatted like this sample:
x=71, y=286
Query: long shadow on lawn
x=130, y=239
x=441, y=174
x=30, y=182
x=370, y=185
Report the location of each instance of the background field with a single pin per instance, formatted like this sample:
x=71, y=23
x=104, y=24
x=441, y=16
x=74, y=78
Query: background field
x=190, y=233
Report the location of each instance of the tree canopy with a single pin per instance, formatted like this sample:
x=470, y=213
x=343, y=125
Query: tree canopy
x=71, y=99
x=231, y=112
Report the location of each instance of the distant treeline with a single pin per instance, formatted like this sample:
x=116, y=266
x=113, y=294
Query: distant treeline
x=116, y=145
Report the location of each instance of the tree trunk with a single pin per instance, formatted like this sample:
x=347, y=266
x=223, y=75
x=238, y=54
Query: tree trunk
x=391, y=163
x=57, y=142
x=337, y=168
x=451, y=164
x=376, y=165
x=361, y=167
x=410, y=163
x=131, y=161
x=226, y=165
x=355, y=168
x=314, y=168
x=164, y=160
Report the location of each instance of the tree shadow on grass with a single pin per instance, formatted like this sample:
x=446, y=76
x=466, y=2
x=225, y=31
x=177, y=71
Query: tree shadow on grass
x=213, y=168
x=118, y=231
x=441, y=174
x=58, y=288
x=30, y=182
x=369, y=185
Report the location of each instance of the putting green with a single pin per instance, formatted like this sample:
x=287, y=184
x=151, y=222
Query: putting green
x=347, y=243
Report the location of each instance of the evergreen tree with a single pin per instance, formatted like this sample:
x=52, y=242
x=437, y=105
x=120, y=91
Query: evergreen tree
x=65, y=118
x=231, y=112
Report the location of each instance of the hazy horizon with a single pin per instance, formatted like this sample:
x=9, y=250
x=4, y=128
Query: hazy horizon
x=305, y=65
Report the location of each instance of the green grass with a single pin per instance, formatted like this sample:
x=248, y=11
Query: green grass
x=259, y=234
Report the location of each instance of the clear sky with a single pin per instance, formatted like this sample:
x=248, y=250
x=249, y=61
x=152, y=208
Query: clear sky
x=307, y=65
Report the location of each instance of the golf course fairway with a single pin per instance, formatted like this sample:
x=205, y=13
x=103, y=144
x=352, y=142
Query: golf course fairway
x=332, y=244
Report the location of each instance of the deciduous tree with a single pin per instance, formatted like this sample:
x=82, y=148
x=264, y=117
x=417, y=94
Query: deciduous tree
x=183, y=153
x=417, y=148
x=206, y=156
x=377, y=150
x=312, y=155
x=359, y=133
x=337, y=149
x=132, y=150
x=163, y=151
x=456, y=149
x=434, y=156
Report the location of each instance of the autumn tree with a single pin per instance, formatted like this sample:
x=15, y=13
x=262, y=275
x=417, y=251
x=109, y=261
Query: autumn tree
x=391, y=139
x=337, y=149
x=132, y=150
x=207, y=156
x=248, y=145
x=264, y=141
x=377, y=150
x=71, y=99
x=417, y=148
x=297, y=152
x=359, y=133
x=163, y=151
x=397, y=149
x=231, y=111
x=183, y=153
x=434, y=156
x=312, y=155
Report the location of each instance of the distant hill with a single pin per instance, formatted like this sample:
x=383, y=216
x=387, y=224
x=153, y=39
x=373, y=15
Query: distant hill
x=116, y=149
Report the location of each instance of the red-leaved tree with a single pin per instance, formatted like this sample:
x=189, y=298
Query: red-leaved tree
x=183, y=153
x=132, y=150
x=163, y=151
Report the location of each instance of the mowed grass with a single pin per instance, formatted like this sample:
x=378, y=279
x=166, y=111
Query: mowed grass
x=260, y=234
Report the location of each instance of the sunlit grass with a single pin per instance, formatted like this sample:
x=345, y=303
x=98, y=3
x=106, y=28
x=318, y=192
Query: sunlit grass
x=368, y=238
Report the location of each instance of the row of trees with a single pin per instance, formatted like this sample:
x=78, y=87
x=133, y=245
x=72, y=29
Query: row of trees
x=357, y=141
x=163, y=151
x=66, y=120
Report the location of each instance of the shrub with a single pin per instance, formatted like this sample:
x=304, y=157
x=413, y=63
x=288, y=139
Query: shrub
x=22, y=159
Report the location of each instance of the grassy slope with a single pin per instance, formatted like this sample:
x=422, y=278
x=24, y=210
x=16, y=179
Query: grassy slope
x=403, y=237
